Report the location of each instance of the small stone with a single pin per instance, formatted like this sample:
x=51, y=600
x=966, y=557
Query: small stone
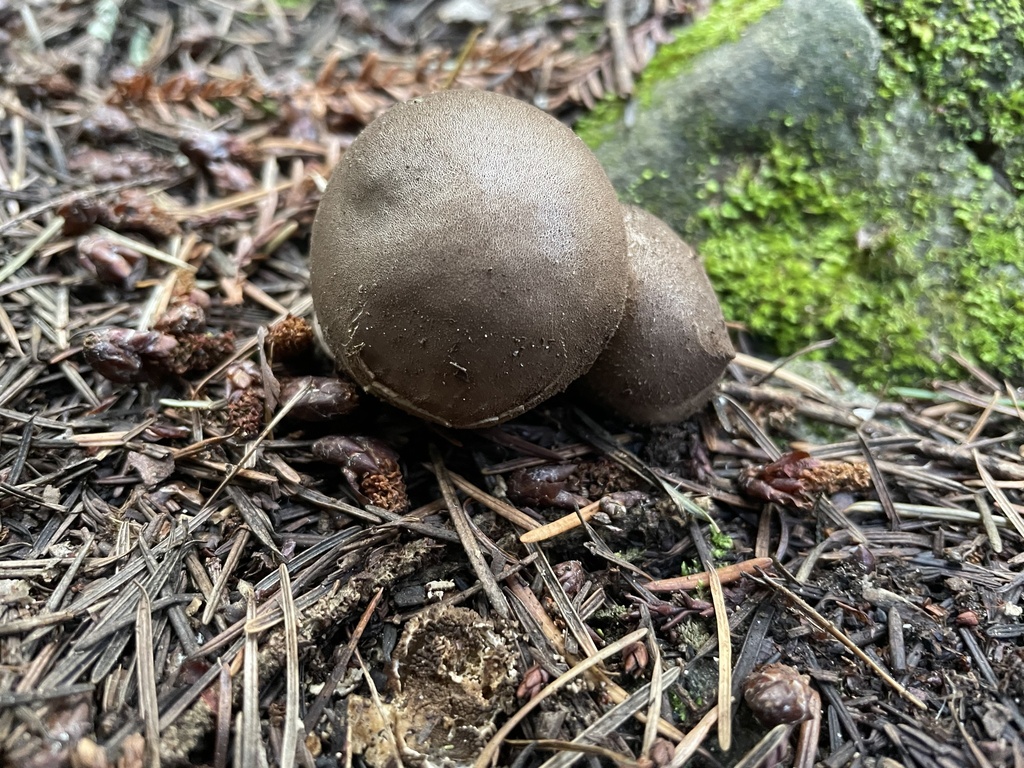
x=967, y=619
x=465, y=11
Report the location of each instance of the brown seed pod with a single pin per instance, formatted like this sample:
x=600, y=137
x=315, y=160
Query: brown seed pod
x=325, y=397
x=468, y=258
x=635, y=658
x=967, y=619
x=672, y=345
x=778, y=694
x=127, y=356
x=182, y=317
x=534, y=680
x=290, y=337
x=548, y=485
x=245, y=397
x=111, y=262
x=797, y=479
x=571, y=576
x=371, y=468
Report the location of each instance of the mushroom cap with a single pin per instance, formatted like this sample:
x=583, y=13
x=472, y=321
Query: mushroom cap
x=468, y=258
x=672, y=345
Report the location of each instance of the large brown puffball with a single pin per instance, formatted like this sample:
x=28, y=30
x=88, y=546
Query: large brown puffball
x=672, y=345
x=468, y=258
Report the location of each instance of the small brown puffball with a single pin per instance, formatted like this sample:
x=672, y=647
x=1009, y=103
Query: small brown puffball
x=672, y=345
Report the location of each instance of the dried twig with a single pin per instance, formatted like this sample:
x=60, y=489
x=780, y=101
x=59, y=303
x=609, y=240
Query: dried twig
x=561, y=525
x=148, y=707
x=724, y=640
x=469, y=543
x=292, y=720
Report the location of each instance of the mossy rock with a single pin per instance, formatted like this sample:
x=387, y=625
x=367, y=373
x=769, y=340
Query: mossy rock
x=827, y=193
x=966, y=57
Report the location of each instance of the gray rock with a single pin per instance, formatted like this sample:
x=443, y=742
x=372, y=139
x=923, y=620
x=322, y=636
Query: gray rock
x=826, y=196
x=803, y=59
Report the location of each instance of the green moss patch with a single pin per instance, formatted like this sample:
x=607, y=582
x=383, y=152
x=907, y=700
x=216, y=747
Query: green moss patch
x=798, y=253
x=724, y=23
x=965, y=58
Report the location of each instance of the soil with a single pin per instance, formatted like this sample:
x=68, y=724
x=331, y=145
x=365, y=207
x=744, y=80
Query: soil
x=214, y=550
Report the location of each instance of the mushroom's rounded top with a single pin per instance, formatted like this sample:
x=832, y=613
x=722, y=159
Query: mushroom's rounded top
x=468, y=258
x=672, y=345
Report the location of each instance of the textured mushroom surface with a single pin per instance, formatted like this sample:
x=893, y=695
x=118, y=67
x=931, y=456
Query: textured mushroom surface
x=672, y=345
x=468, y=258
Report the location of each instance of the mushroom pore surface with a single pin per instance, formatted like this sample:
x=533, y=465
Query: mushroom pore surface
x=672, y=345
x=468, y=258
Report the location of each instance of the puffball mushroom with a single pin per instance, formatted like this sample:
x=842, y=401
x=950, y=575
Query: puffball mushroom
x=468, y=258
x=672, y=345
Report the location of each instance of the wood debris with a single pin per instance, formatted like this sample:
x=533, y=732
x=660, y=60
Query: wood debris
x=210, y=544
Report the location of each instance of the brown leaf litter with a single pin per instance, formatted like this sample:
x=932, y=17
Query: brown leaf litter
x=212, y=549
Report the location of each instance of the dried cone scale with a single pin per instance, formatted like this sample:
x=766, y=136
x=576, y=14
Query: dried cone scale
x=777, y=694
x=468, y=258
x=672, y=346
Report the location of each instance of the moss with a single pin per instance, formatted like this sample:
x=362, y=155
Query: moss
x=986, y=284
x=679, y=708
x=723, y=24
x=602, y=122
x=778, y=242
x=692, y=634
x=964, y=56
x=798, y=253
x=633, y=191
x=721, y=544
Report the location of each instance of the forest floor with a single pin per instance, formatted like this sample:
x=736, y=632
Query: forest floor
x=200, y=566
